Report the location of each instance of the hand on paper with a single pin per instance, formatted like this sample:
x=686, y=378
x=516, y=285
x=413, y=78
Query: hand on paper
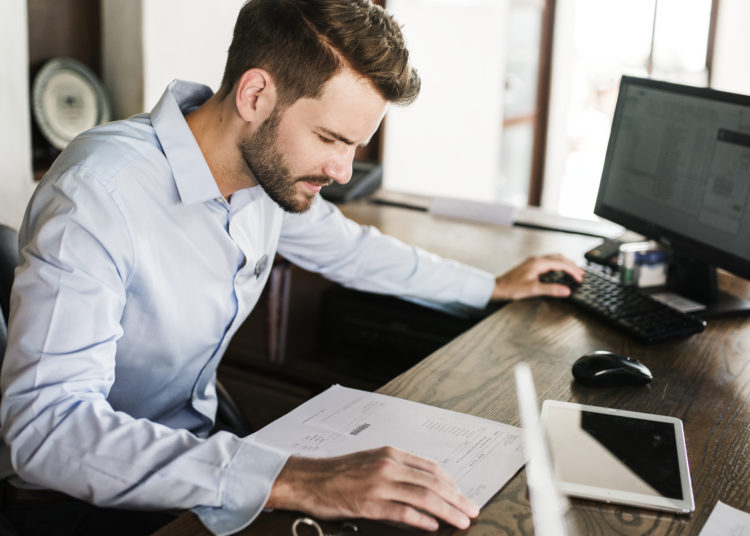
x=523, y=280
x=384, y=484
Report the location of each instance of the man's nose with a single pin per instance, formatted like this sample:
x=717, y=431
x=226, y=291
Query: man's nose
x=340, y=168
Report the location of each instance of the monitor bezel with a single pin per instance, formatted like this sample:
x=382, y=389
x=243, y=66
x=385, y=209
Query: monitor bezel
x=671, y=238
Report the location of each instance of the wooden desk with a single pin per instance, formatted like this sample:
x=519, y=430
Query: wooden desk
x=494, y=248
x=703, y=380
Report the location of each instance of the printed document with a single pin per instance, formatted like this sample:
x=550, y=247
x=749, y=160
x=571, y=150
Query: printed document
x=479, y=454
x=726, y=521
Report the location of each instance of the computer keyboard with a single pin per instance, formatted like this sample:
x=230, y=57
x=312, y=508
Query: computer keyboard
x=628, y=308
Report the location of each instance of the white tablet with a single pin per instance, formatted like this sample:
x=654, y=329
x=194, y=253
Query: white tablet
x=619, y=456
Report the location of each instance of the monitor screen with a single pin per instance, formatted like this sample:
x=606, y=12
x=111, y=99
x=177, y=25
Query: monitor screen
x=677, y=170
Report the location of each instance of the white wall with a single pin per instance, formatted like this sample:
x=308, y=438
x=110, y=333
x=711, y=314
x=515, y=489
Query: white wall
x=16, y=182
x=731, y=66
x=122, y=56
x=149, y=43
x=448, y=142
x=185, y=39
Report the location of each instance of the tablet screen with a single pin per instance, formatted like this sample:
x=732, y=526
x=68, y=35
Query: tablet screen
x=618, y=456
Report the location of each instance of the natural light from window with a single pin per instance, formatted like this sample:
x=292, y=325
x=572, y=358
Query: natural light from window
x=611, y=38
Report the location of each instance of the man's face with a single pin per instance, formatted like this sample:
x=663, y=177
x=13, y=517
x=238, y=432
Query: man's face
x=295, y=152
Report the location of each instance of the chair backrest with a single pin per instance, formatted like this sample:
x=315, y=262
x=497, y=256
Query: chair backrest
x=3, y=336
x=8, y=263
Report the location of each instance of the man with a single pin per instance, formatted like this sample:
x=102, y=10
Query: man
x=144, y=249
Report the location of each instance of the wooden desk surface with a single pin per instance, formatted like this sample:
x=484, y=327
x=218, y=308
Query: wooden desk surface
x=494, y=248
x=703, y=380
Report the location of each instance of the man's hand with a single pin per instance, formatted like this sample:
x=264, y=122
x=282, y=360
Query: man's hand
x=523, y=280
x=384, y=484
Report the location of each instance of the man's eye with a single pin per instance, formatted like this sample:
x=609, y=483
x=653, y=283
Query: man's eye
x=325, y=140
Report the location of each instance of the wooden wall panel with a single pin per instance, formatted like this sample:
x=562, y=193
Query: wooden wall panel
x=64, y=28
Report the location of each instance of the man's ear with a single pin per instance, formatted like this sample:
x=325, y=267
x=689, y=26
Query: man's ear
x=255, y=97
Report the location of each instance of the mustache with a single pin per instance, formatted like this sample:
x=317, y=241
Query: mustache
x=319, y=180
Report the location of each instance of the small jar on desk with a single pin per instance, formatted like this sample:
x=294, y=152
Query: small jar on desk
x=643, y=264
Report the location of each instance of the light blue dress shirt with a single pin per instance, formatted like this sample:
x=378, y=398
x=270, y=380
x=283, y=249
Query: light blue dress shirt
x=135, y=273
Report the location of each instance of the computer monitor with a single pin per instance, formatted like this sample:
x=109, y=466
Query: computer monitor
x=677, y=170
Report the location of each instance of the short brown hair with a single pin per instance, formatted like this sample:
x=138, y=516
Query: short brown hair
x=304, y=43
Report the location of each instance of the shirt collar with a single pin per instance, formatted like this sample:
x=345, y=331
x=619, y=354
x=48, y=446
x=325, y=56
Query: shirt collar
x=193, y=178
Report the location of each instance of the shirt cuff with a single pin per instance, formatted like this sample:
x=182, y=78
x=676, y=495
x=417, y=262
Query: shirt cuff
x=247, y=485
x=477, y=288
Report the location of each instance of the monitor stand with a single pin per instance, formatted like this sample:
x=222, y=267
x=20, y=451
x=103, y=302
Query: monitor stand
x=698, y=281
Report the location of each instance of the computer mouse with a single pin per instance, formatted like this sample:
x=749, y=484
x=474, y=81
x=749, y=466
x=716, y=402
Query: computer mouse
x=602, y=368
x=560, y=277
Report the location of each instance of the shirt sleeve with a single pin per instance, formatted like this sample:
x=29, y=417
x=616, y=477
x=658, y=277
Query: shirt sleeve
x=323, y=240
x=63, y=434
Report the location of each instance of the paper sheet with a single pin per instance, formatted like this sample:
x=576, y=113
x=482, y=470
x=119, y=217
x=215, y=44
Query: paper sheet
x=726, y=521
x=480, y=455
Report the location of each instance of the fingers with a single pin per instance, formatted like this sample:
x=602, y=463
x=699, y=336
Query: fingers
x=425, y=485
x=523, y=280
x=418, y=462
x=548, y=263
x=422, y=510
x=416, y=491
x=385, y=484
x=554, y=290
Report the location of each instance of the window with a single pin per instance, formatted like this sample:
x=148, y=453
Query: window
x=596, y=42
x=526, y=95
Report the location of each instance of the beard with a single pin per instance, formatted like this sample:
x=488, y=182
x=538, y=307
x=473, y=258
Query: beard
x=267, y=164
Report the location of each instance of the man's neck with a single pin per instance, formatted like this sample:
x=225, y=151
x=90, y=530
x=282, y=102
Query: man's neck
x=216, y=127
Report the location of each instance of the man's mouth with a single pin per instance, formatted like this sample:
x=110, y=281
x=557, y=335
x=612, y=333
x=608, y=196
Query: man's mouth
x=315, y=185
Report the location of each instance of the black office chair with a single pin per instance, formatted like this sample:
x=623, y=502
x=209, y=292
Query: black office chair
x=229, y=416
x=8, y=261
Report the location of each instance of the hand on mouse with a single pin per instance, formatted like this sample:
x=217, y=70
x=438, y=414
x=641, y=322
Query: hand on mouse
x=523, y=280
